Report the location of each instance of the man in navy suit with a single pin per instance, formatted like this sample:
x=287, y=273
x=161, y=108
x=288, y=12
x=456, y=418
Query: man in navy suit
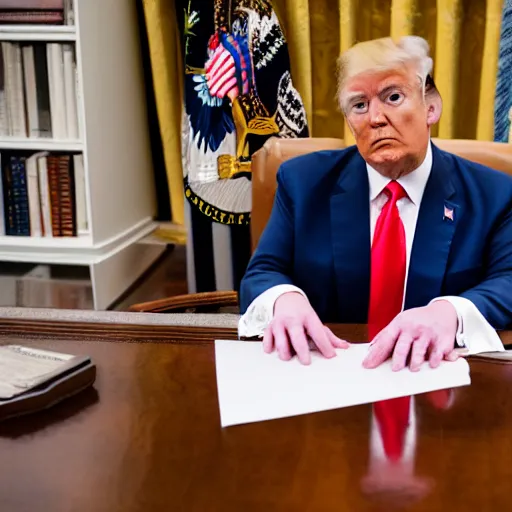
x=318, y=261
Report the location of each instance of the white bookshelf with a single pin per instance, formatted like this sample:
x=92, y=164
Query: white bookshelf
x=27, y=144
x=45, y=33
x=114, y=140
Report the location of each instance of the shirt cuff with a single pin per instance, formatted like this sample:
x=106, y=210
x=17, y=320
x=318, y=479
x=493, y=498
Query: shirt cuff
x=473, y=331
x=261, y=310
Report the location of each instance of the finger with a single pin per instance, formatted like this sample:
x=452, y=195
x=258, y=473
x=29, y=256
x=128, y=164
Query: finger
x=317, y=333
x=382, y=346
x=452, y=356
x=334, y=340
x=441, y=350
x=401, y=351
x=419, y=352
x=299, y=342
x=281, y=342
x=268, y=340
x=436, y=356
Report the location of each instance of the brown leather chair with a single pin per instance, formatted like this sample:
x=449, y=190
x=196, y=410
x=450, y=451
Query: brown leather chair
x=265, y=164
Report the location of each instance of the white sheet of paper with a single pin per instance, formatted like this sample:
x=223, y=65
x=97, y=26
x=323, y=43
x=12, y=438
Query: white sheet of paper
x=254, y=386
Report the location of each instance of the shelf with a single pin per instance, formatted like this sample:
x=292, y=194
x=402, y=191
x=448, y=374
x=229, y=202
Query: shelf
x=37, y=33
x=58, y=250
x=79, y=250
x=41, y=242
x=14, y=143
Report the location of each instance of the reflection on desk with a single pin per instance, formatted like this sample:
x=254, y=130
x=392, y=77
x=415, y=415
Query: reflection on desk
x=150, y=440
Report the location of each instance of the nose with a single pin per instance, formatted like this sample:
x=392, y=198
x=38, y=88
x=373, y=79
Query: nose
x=377, y=116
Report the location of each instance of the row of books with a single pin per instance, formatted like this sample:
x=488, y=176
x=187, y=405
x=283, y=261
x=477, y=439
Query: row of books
x=54, y=12
x=38, y=90
x=42, y=195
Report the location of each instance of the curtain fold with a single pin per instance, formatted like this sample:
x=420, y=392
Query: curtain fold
x=464, y=36
x=166, y=64
x=403, y=13
x=347, y=28
x=446, y=73
x=485, y=123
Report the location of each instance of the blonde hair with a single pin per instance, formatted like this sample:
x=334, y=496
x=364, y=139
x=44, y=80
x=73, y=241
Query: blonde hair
x=383, y=54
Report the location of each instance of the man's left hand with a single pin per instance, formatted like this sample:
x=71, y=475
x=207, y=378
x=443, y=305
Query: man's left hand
x=415, y=336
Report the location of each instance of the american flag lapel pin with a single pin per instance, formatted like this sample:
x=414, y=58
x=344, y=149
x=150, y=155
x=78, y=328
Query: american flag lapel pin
x=448, y=213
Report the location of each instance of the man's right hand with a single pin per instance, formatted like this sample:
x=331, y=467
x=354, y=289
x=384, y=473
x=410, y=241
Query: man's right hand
x=294, y=324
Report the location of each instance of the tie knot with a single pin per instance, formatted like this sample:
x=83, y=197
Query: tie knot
x=395, y=190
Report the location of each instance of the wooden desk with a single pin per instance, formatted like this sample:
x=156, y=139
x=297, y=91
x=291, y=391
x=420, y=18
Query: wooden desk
x=148, y=438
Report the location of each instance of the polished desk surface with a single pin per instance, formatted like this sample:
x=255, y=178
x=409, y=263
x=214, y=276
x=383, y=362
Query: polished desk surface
x=147, y=437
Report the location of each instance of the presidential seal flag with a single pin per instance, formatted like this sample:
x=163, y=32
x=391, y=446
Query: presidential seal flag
x=238, y=93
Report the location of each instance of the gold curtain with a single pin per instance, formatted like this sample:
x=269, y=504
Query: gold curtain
x=167, y=69
x=463, y=36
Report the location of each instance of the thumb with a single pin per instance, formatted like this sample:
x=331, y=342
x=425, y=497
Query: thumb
x=452, y=356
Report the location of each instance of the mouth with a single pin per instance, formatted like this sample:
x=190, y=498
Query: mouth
x=383, y=141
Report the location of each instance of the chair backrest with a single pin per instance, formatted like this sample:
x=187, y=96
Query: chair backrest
x=266, y=162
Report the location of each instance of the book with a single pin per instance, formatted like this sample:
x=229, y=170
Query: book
x=32, y=379
x=54, y=187
x=20, y=196
x=29, y=78
x=20, y=5
x=8, y=201
x=38, y=90
x=67, y=199
x=54, y=12
x=80, y=199
x=57, y=89
x=44, y=197
x=70, y=100
x=14, y=89
x=15, y=196
x=31, y=17
x=34, y=205
x=42, y=194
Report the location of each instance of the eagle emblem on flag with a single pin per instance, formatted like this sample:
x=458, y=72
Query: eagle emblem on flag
x=238, y=93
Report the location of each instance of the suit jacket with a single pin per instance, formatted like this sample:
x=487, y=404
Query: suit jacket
x=318, y=237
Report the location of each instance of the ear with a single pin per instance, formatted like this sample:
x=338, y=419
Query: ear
x=434, y=106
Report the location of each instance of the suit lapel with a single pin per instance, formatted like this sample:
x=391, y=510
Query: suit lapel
x=350, y=232
x=437, y=219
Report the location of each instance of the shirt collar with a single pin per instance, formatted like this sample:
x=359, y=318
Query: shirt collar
x=414, y=183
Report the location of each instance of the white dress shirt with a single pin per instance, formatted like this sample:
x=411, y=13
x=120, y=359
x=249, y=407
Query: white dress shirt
x=474, y=332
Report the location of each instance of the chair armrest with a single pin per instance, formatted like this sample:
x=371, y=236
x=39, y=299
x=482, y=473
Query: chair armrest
x=199, y=301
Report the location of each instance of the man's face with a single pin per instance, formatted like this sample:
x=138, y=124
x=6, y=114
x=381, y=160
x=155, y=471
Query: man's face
x=388, y=116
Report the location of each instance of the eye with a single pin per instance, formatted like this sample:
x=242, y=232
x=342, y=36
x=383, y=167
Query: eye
x=360, y=107
x=395, y=98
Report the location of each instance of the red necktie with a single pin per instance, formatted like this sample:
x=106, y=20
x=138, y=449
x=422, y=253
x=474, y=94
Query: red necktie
x=388, y=261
